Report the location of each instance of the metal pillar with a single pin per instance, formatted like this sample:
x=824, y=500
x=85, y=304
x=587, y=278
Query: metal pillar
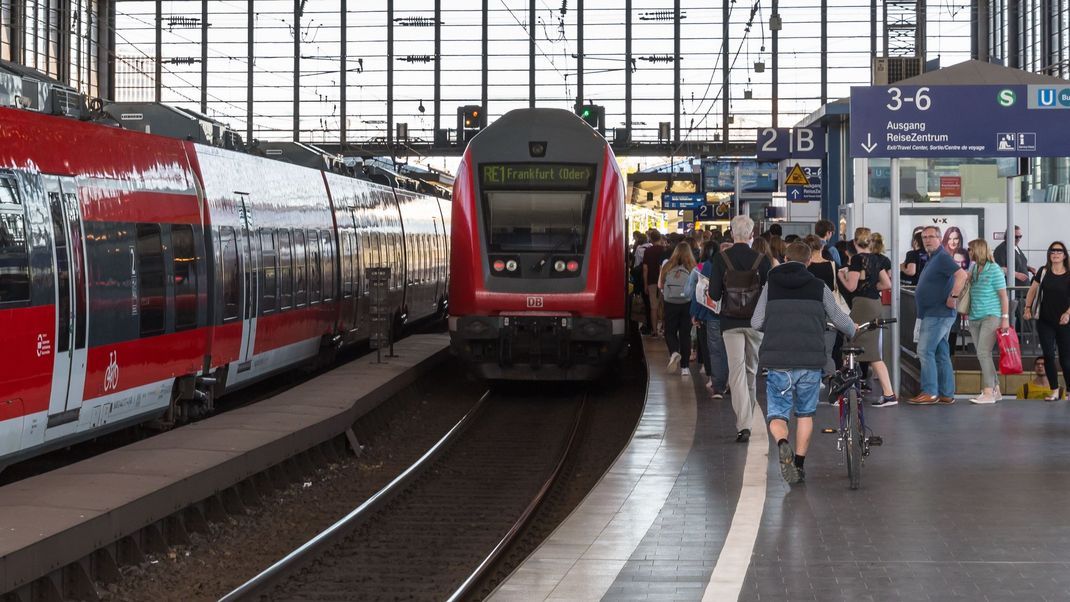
x=204, y=57
x=531, y=53
x=725, y=73
x=824, y=52
x=343, y=72
x=17, y=27
x=297, y=71
x=1010, y=243
x=628, y=67
x=158, y=85
x=484, y=82
x=873, y=31
x=65, y=42
x=775, y=31
x=1014, y=33
x=676, y=70
x=893, y=229
x=438, y=69
x=390, y=75
x=579, y=53
x=250, y=56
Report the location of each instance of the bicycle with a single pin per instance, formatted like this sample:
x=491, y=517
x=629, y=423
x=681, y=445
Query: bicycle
x=854, y=438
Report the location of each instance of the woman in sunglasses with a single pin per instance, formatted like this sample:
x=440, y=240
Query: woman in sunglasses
x=1048, y=301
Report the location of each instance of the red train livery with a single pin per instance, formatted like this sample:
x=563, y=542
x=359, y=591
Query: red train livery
x=538, y=253
x=142, y=276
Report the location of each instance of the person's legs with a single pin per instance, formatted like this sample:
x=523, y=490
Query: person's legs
x=646, y=306
x=1046, y=334
x=672, y=329
x=754, y=342
x=984, y=338
x=885, y=381
x=780, y=394
x=928, y=337
x=807, y=392
x=703, y=346
x=945, y=372
x=735, y=343
x=655, y=307
x=830, y=343
x=683, y=328
x=718, y=357
x=1062, y=341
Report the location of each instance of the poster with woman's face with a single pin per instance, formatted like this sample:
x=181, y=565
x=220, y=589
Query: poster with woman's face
x=956, y=231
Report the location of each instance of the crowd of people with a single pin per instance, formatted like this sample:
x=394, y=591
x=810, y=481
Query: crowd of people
x=731, y=304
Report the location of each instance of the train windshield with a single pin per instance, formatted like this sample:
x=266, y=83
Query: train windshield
x=537, y=220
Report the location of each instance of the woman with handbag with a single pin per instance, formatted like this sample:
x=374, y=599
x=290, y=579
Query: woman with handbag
x=985, y=304
x=866, y=277
x=1048, y=301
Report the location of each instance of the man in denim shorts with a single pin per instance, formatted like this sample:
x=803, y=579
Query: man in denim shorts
x=792, y=311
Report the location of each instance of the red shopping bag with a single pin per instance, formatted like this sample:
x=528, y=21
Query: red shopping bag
x=1010, y=352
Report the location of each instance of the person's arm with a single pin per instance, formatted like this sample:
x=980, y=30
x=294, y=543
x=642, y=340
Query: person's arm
x=1004, y=304
x=661, y=278
x=884, y=282
x=834, y=253
x=839, y=319
x=961, y=276
x=1027, y=313
x=909, y=269
x=849, y=279
x=646, y=277
x=692, y=281
x=757, y=321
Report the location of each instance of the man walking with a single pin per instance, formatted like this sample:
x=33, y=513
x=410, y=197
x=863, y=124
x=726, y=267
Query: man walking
x=936, y=296
x=738, y=275
x=652, y=259
x=792, y=312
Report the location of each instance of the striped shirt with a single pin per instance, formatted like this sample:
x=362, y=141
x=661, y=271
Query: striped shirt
x=984, y=291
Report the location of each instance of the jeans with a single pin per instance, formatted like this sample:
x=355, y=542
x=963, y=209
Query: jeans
x=983, y=332
x=703, y=346
x=1052, y=337
x=934, y=354
x=741, y=346
x=718, y=356
x=787, y=389
x=678, y=330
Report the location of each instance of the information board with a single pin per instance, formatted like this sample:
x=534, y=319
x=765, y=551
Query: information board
x=527, y=176
x=960, y=121
x=793, y=143
x=682, y=200
x=719, y=175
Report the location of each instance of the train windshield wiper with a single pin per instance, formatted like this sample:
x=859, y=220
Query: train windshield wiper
x=570, y=239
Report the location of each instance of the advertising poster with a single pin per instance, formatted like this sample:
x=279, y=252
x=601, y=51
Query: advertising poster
x=957, y=228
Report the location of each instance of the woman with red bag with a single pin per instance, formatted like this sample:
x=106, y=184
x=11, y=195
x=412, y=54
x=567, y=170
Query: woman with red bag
x=1048, y=301
x=988, y=312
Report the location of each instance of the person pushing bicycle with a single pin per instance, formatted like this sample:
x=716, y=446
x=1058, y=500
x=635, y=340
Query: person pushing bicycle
x=792, y=311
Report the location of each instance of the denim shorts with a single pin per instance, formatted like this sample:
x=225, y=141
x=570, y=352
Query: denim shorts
x=787, y=389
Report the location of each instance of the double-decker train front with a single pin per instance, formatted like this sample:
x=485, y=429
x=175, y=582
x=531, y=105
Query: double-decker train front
x=538, y=276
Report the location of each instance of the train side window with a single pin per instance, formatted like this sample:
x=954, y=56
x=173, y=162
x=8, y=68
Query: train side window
x=326, y=242
x=14, y=256
x=315, y=268
x=300, y=270
x=150, y=279
x=184, y=251
x=270, y=284
x=231, y=278
x=286, y=283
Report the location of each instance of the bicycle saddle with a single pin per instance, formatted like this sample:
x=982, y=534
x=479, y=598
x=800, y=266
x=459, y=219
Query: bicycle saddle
x=854, y=350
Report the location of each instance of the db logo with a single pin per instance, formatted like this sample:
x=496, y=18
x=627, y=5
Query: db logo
x=534, y=302
x=111, y=375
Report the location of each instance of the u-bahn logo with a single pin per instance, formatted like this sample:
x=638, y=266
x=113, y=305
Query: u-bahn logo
x=111, y=375
x=534, y=302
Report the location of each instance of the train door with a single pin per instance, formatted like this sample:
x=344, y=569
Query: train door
x=249, y=266
x=351, y=265
x=69, y=280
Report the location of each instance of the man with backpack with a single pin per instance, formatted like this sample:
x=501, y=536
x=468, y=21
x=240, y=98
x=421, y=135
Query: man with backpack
x=738, y=275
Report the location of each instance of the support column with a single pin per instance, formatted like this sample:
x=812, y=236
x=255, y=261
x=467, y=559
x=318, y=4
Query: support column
x=1014, y=32
x=725, y=80
x=250, y=58
x=17, y=28
x=579, y=53
x=628, y=67
x=531, y=53
x=893, y=230
x=343, y=73
x=158, y=85
x=824, y=52
x=873, y=33
x=775, y=66
x=297, y=71
x=438, y=69
x=390, y=75
x=1009, y=240
x=676, y=70
x=204, y=57
x=484, y=82
x=64, y=33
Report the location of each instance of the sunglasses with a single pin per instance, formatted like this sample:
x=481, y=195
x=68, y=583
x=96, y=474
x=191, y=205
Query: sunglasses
x=1017, y=237
x=1054, y=251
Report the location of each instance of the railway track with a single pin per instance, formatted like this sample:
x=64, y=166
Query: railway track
x=436, y=530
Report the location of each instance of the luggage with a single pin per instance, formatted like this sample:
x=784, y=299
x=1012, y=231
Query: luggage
x=675, y=289
x=741, y=289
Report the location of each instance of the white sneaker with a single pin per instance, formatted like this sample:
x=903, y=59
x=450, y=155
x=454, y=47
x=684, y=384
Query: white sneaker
x=685, y=372
x=984, y=399
x=674, y=362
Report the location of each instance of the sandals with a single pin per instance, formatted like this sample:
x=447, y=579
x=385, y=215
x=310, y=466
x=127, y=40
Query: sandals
x=1056, y=395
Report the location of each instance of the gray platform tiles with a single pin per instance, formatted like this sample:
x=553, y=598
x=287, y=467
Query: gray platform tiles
x=962, y=502
x=56, y=518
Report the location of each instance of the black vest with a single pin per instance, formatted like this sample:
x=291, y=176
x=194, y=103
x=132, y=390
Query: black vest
x=794, y=319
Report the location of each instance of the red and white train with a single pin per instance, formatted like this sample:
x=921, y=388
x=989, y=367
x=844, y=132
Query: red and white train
x=538, y=259
x=141, y=276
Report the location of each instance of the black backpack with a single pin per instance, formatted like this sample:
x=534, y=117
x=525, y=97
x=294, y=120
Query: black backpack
x=741, y=289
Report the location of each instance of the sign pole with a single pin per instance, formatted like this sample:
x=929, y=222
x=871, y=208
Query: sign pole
x=739, y=189
x=896, y=313
x=1011, y=244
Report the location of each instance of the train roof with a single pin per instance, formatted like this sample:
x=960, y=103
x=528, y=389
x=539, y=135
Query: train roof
x=516, y=135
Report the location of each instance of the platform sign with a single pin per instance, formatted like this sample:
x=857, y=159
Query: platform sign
x=682, y=200
x=791, y=143
x=379, y=310
x=960, y=121
x=714, y=212
x=719, y=175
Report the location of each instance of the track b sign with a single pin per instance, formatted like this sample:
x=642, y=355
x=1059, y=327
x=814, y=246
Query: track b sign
x=791, y=143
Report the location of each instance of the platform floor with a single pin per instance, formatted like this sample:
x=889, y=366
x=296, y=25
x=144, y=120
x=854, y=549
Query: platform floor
x=962, y=502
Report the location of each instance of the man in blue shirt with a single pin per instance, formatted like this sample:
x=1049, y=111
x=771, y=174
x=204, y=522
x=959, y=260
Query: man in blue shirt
x=824, y=230
x=937, y=295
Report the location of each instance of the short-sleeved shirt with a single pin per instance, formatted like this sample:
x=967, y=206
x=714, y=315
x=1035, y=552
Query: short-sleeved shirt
x=652, y=259
x=984, y=291
x=869, y=266
x=1055, y=291
x=918, y=258
x=934, y=286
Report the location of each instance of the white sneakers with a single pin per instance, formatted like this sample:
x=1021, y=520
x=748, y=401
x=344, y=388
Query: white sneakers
x=685, y=372
x=984, y=399
x=674, y=362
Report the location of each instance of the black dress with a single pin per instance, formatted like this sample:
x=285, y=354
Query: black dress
x=825, y=271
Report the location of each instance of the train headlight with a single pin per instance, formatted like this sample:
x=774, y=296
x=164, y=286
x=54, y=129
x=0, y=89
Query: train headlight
x=573, y=266
x=559, y=265
x=499, y=265
x=511, y=265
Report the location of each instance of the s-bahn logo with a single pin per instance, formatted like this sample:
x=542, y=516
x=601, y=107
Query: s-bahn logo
x=535, y=303
x=111, y=375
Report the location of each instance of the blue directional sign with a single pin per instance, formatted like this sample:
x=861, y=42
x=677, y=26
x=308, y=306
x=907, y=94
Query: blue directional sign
x=682, y=200
x=960, y=121
x=795, y=143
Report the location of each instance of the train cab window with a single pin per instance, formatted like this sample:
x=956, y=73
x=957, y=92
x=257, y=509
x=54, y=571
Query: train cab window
x=286, y=283
x=228, y=257
x=269, y=287
x=537, y=220
x=151, y=289
x=315, y=268
x=14, y=257
x=300, y=270
x=326, y=241
x=184, y=260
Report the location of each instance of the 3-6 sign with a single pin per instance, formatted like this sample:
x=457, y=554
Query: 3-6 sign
x=796, y=143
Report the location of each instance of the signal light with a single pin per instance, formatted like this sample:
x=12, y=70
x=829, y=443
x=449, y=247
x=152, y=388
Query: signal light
x=559, y=266
x=470, y=119
x=594, y=115
x=499, y=265
x=573, y=265
x=511, y=265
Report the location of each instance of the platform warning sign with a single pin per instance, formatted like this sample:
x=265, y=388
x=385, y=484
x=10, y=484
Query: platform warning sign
x=797, y=177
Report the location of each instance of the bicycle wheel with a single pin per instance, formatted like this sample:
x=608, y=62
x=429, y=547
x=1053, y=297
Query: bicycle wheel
x=853, y=445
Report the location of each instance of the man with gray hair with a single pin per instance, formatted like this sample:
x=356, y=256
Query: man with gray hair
x=739, y=273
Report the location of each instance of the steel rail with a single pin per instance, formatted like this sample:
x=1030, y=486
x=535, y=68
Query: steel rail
x=465, y=589
x=272, y=575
